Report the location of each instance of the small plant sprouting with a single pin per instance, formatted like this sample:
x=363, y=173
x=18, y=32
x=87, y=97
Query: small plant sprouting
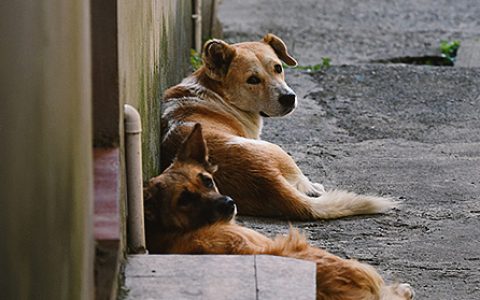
x=195, y=59
x=325, y=64
x=449, y=49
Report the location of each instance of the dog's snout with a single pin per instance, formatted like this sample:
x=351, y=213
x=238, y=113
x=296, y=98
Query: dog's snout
x=226, y=205
x=287, y=100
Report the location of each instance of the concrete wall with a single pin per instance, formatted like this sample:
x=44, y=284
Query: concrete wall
x=211, y=27
x=46, y=246
x=139, y=48
x=154, y=40
x=107, y=109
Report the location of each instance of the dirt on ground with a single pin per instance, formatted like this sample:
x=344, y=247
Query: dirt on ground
x=409, y=132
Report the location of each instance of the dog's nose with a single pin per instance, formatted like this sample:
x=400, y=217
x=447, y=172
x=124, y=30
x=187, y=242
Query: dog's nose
x=226, y=206
x=287, y=100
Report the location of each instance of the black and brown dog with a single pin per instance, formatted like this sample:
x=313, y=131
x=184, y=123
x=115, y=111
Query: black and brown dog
x=185, y=214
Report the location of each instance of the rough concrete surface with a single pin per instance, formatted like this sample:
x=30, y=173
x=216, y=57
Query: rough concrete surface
x=353, y=31
x=218, y=277
x=410, y=132
x=284, y=278
x=469, y=54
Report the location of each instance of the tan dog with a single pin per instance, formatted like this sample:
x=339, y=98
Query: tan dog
x=237, y=86
x=185, y=214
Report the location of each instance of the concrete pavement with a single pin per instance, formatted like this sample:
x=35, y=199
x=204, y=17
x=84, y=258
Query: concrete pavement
x=411, y=132
x=218, y=277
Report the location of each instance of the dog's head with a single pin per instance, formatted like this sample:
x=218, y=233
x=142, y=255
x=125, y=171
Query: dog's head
x=184, y=197
x=251, y=74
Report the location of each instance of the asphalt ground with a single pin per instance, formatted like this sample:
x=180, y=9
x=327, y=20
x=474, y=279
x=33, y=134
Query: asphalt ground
x=410, y=132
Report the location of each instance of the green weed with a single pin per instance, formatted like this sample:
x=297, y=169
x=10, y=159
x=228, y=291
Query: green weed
x=325, y=64
x=449, y=49
x=195, y=59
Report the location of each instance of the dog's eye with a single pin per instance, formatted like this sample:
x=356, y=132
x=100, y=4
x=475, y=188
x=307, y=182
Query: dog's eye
x=207, y=181
x=278, y=68
x=253, y=80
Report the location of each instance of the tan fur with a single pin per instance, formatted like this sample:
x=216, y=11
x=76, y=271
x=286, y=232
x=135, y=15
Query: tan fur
x=263, y=179
x=179, y=229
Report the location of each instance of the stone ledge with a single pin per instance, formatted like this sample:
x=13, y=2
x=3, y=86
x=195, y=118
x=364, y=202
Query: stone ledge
x=215, y=277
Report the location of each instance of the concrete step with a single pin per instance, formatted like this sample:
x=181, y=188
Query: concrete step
x=217, y=277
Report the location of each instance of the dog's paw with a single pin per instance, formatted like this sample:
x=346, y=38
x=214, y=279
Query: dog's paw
x=313, y=194
x=405, y=290
x=316, y=190
x=303, y=185
x=319, y=188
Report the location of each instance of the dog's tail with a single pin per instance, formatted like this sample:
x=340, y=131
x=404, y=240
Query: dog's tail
x=337, y=203
x=337, y=278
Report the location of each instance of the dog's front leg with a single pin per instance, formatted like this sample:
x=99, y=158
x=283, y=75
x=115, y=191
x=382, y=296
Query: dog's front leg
x=292, y=173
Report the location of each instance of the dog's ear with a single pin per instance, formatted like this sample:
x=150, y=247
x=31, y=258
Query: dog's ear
x=217, y=56
x=194, y=147
x=280, y=49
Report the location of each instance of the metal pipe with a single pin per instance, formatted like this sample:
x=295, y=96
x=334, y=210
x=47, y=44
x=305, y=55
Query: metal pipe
x=197, y=24
x=133, y=160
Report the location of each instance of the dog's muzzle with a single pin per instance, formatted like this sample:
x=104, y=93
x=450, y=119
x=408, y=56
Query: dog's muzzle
x=226, y=206
x=287, y=100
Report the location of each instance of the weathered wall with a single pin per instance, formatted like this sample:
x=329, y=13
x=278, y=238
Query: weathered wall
x=154, y=39
x=211, y=27
x=107, y=109
x=46, y=246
